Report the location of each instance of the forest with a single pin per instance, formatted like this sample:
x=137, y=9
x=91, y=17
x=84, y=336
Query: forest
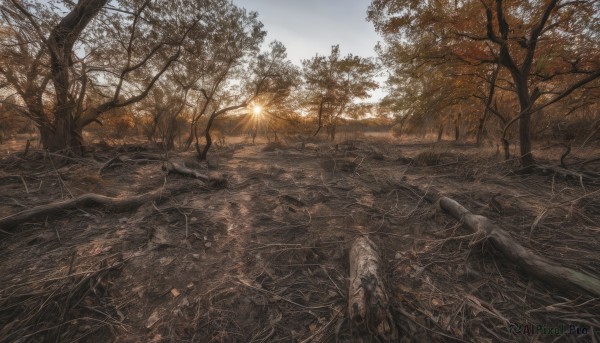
x=168, y=173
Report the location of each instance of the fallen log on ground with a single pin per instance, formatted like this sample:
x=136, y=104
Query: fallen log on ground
x=535, y=265
x=88, y=200
x=368, y=301
x=590, y=178
x=213, y=179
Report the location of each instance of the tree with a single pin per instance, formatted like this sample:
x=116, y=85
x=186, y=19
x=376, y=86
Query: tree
x=423, y=95
x=85, y=57
x=165, y=106
x=269, y=79
x=273, y=79
x=332, y=83
x=216, y=56
x=550, y=48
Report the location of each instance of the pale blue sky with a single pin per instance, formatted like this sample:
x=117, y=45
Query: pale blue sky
x=307, y=27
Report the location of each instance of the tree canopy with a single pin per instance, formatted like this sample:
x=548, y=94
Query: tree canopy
x=333, y=82
x=547, y=50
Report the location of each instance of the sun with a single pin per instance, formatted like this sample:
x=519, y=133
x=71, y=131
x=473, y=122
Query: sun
x=257, y=110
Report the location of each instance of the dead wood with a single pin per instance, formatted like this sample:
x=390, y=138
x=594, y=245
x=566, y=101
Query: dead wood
x=368, y=301
x=590, y=178
x=88, y=200
x=112, y=163
x=213, y=179
x=432, y=194
x=535, y=265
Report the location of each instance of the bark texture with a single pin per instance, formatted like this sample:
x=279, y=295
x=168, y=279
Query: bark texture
x=368, y=301
x=213, y=179
x=535, y=265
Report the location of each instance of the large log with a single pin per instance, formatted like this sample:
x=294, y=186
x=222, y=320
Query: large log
x=535, y=265
x=88, y=200
x=368, y=301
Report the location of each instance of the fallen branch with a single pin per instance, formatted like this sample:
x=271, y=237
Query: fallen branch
x=368, y=301
x=590, y=178
x=213, y=179
x=88, y=200
x=535, y=265
x=113, y=162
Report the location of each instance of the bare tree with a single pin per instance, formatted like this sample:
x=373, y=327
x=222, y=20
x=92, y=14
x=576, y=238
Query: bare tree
x=107, y=57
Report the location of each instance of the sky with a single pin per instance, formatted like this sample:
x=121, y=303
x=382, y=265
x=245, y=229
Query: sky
x=308, y=27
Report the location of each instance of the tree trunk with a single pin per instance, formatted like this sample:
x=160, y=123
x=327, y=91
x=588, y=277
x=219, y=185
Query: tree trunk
x=480, y=130
x=488, y=103
x=320, y=117
x=525, y=102
x=457, y=121
x=46, y=136
x=169, y=136
x=525, y=140
x=506, y=147
x=456, y=131
x=194, y=129
x=440, y=133
x=190, y=139
x=332, y=129
x=202, y=153
x=60, y=44
x=62, y=137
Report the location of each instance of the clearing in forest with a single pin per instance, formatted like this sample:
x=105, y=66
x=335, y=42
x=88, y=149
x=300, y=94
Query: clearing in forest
x=264, y=257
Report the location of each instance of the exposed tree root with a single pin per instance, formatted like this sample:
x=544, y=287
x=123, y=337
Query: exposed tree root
x=88, y=200
x=213, y=179
x=537, y=266
x=368, y=301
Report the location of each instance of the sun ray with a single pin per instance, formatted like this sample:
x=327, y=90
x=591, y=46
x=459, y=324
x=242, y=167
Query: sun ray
x=257, y=110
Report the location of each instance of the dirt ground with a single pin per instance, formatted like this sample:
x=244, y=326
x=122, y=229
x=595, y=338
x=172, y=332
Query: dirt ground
x=265, y=259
